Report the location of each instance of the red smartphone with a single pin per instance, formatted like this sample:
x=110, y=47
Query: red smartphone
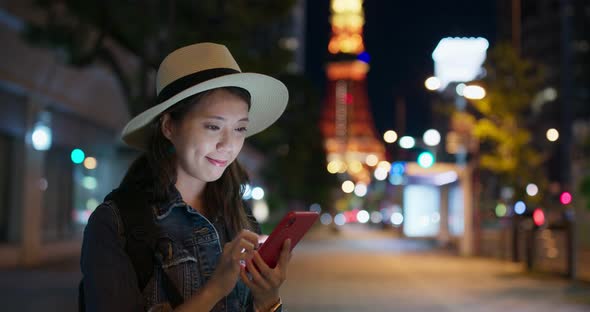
x=294, y=225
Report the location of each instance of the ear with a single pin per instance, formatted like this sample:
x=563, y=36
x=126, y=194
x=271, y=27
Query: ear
x=166, y=126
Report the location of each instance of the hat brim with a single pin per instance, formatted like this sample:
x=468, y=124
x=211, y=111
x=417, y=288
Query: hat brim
x=269, y=99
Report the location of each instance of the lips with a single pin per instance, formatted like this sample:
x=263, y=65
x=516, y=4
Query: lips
x=217, y=163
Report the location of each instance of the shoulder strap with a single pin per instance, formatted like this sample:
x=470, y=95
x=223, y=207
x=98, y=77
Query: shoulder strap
x=140, y=231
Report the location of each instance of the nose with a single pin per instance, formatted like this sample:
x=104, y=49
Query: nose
x=225, y=142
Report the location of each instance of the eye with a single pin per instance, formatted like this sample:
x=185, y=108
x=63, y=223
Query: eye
x=211, y=127
x=241, y=129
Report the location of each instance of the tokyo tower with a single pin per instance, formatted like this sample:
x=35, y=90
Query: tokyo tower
x=350, y=139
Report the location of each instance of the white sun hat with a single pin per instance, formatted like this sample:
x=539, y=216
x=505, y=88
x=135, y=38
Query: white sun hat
x=201, y=67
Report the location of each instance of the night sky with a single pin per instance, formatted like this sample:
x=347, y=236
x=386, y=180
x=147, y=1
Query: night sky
x=400, y=37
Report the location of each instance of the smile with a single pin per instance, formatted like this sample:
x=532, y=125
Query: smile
x=218, y=163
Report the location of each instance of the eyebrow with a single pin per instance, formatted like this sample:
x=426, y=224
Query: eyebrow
x=223, y=119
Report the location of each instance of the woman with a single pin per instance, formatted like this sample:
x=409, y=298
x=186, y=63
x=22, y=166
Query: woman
x=156, y=242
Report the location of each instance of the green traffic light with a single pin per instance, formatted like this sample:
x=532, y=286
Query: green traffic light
x=425, y=160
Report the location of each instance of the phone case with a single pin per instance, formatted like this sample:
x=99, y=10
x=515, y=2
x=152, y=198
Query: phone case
x=294, y=225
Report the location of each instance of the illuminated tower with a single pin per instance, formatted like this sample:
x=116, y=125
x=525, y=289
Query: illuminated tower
x=347, y=124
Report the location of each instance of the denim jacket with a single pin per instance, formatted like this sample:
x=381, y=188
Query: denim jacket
x=188, y=250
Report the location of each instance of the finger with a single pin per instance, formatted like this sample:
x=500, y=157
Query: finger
x=261, y=265
x=257, y=278
x=267, y=272
x=285, y=254
x=240, y=244
x=245, y=277
x=249, y=236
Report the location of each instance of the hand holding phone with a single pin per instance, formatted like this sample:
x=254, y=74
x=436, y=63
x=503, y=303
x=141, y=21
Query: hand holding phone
x=293, y=226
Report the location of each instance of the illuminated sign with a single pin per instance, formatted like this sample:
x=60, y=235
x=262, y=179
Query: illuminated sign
x=459, y=59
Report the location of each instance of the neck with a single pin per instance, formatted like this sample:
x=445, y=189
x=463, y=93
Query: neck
x=191, y=191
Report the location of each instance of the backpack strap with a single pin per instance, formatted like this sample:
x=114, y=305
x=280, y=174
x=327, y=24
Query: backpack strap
x=141, y=234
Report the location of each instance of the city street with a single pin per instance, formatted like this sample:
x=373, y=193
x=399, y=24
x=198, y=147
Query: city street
x=355, y=270
x=368, y=271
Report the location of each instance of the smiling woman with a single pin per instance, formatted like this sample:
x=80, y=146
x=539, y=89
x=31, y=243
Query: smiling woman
x=175, y=233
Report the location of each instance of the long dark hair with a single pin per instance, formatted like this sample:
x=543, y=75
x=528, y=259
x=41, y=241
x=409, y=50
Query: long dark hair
x=155, y=170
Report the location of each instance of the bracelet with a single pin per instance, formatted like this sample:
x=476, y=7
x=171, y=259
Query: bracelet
x=275, y=307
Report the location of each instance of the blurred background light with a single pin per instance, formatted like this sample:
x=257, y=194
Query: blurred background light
x=459, y=59
x=425, y=159
x=339, y=219
x=260, y=210
x=90, y=163
x=77, y=156
x=552, y=134
x=347, y=186
x=376, y=217
x=474, y=92
x=89, y=183
x=565, y=198
x=326, y=219
x=91, y=204
x=364, y=57
x=519, y=207
x=363, y=216
x=380, y=174
x=315, y=207
x=431, y=137
x=41, y=137
x=43, y=184
x=385, y=165
x=500, y=210
x=371, y=160
x=432, y=83
x=407, y=142
x=532, y=189
x=360, y=189
x=247, y=191
x=355, y=166
x=390, y=136
x=397, y=218
x=257, y=193
x=538, y=217
x=459, y=89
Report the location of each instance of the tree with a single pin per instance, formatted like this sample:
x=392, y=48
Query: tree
x=150, y=29
x=499, y=120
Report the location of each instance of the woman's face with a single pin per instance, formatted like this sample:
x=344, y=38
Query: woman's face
x=210, y=137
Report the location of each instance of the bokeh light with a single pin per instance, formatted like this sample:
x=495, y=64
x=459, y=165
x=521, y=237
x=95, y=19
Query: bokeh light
x=407, y=142
x=77, y=156
x=347, y=186
x=90, y=163
x=363, y=216
x=519, y=207
x=565, y=198
x=257, y=193
x=552, y=134
x=390, y=136
x=431, y=137
x=360, y=190
x=532, y=189
x=432, y=83
x=371, y=160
